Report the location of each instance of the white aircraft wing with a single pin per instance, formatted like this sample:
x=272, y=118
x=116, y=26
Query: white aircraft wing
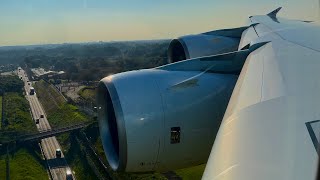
x=272, y=123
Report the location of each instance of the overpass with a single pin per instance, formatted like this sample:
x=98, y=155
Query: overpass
x=45, y=134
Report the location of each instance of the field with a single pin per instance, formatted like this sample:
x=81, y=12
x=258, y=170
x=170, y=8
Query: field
x=2, y=167
x=17, y=115
x=20, y=166
x=59, y=112
x=0, y=110
x=192, y=173
x=88, y=93
x=49, y=97
x=10, y=84
x=18, y=121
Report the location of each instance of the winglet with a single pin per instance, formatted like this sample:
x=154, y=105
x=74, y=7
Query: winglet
x=274, y=12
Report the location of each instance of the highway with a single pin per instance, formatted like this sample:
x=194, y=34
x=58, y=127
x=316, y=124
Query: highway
x=58, y=167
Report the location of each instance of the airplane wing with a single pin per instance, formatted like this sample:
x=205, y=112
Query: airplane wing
x=272, y=123
x=248, y=95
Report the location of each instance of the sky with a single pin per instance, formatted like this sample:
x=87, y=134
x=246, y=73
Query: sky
x=25, y=22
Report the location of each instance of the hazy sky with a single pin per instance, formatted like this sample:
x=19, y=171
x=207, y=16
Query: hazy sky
x=59, y=21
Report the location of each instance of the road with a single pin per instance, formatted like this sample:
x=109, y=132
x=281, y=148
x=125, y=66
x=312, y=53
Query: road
x=58, y=167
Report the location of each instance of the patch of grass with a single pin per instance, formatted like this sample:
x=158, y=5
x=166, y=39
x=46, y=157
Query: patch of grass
x=2, y=167
x=0, y=110
x=192, y=173
x=49, y=97
x=59, y=112
x=17, y=114
x=88, y=93
x=66, y=115
x=24, y=166
x=10, y=84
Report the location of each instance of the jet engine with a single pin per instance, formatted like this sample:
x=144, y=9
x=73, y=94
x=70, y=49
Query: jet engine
x=167, y=117
x=161, y=120
x=204, y=44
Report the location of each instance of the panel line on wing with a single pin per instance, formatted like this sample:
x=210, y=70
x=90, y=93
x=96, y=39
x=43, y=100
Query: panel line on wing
x=313, y=135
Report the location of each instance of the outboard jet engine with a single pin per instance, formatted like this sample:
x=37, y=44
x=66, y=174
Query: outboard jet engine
x=204, y=44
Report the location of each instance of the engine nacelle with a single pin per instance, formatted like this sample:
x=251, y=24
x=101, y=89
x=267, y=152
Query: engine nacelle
x=205, y=44
x=157, y=120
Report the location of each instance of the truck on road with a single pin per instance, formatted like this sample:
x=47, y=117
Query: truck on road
x=31, y=92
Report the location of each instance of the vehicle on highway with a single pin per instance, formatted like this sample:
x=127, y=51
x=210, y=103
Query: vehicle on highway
x=37, y=121
x=58, y=153
x=69, y=174
x=31, y=91
x=41, y=116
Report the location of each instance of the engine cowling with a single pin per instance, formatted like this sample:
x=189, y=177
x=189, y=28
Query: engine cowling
x=204, y=44
x=157, y=120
